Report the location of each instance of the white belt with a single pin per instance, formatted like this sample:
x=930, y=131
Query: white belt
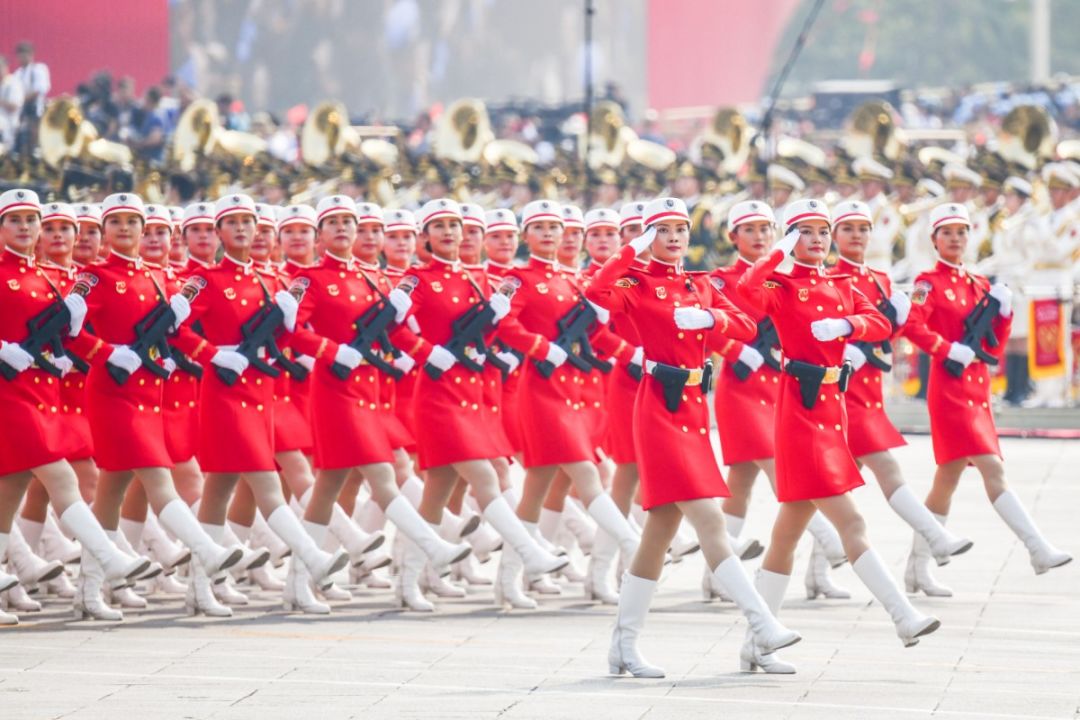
x=260, y=353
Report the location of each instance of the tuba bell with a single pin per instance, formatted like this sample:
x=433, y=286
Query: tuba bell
x=872, y=131
x=609, y=136
x=64, y=133
x=1027, y=135
x=727, y=138
x=462, y=131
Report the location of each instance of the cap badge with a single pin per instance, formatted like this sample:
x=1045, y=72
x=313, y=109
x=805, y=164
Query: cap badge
x=753, y=206
x=813, y=204
x=442, y=203
x=20, y=194
x=670, y=203
x=544, y=205
x=123, y=198
x=202, y=208
x=236, y=198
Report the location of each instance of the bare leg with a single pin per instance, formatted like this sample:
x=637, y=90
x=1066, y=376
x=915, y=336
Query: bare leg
x=624, y=484
x=296, y=471
x=36, y=505
x=217, y=491
x=707, y=519
x=325, y=493
x=135, y=503
x=188, y=479
x=109, y=496
x=661, y=523
x=740, y=481
x=556, y=495
x=537, y=483
x=993, y=473
x=840, y=510
x=12, y=489
x=886, y=471
x=946, y=479
x=242, y=506
x=790, y=524
x=87, y=472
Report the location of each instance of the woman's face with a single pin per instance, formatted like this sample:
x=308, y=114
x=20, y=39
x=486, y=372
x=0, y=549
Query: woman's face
x=337, y=234
x=753, y=239
x=852, y=237
x=202, y=241
x=472, y=243
x=601, y=242
x=569, y=252
x=951, y=241
x=122, y=233
x=629, y=232
x=20, y=230
x=298, y=242
x=237, y=233
x=444, y=235
x=814, y=242
x=671, y=241
x=154, y=243
x=543, y=237
x=58, y=240
x=501, y=246
x=262, y=244
x=398, y=247
x=369, y=242
x=87, y=244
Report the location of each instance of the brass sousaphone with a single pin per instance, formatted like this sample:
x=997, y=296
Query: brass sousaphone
x=64, y=133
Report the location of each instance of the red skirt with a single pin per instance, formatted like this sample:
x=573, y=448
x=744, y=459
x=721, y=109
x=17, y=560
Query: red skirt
x=621, y=398
x=746, y=414
x=675, y=456
x=812, y=458
x=126, y=421
x=961, y=422
x=77, y=439
x=554, y=424
x=404, y=390
x=181, y=418
x=292, y=427
x=869, y=428
x=450, y=425
x=348, y=419
x=511, y=418
x=33, y=428
x=592, y=395
x=236, y=424
x=493, y=412
x=395, y=429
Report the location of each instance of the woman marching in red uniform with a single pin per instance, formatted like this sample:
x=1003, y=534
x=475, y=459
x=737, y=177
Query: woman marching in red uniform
x=815, y=316
x=236, y=428
x=958, y=397
x=673, y=312
x=124, y=395
x=449, y=394
x=30, y=398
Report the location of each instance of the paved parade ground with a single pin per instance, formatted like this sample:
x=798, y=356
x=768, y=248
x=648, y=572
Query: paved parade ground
x=1009, y=646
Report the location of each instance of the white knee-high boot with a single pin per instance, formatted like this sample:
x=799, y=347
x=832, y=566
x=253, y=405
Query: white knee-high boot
x=910, y=623
x=771, y=586
x=1044, y=556
x=943, y=544
x=635, y=596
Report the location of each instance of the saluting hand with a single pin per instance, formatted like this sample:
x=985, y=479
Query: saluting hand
x=642, y=242
x=602, y=314
x=788, y=243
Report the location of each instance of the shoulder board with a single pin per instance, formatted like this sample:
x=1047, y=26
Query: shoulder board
x=626, y=282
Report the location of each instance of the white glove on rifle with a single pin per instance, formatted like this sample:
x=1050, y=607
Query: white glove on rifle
x=441, y=358
x=509, y=359
x=401, y=302
x=169, y=364
x=830, y=328
x=288, y=306
x=961, y=353
x=1003, y=295
x=638, y=358
x=306, y=361
x=788, y=242
x=642, y=242
x=64, y=364
x=348, y=356
x=500, y=304
x=181, y=309
x=13, y=355
x=602, y=314
x=751, y=358
x=693, y=319
x=556, y=355
x=404, y=363
x=76, y=305
x=125, y=358
x=855, y=356
x=902, y=303
x=230, y=360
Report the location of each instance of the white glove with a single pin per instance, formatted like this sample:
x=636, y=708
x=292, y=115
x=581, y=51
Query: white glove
x=642, y=242
x=751, y=358
x=413, y=325
x=404, y=363
x=441, y=358
x=788, y=242
x=1003, y=295
x=76, y=305
x=125, y=358
x=348, y=356
x=961, y=353
x=169, y=364
x=181, y=309
x=305, y=361
x=401, y=302
x=15, y=356
x=64, y=364
x=902, y=303
x=556, y=355
x=288, y=306
x=230, y=360
x=830, y=328
x=480, y=359
x=602, y=314
x=638, y=358
x=693, y=319
x=509, y=359
x=500, y=304
x=855, y=356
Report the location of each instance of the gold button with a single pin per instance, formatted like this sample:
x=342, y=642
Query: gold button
x=157, y=409
x=142, y=381
x=820, y=308
x=840, y=308
x=475, y=406
x=700, y=336
x=820, y=426
x=243, y=403
x=141, y=407
x=685, y=429
x=823, y=398
x=465, y=404
x=830, y=283
x=838, y=428
x=681, y=335
x=703, y=431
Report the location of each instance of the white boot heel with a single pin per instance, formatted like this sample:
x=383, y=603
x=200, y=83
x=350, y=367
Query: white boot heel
x=769, y=634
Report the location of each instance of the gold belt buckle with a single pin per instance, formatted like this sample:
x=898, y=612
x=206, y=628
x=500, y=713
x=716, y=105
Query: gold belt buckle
x=695, y=377
x=832, y=376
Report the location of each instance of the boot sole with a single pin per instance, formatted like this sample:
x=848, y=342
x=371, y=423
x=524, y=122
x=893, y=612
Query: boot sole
x=52, y=574
x=470, y=526
x=753, y=550
x=945, y=559
x=914, y=640
x=1063, y=563
x=261, y=558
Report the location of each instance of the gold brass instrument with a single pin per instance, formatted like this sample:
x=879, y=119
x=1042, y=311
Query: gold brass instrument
x=64, y=133
x=462, y=131
x=199, y=134
x=1027, y=135
x=609, y=136
x=728, y=138
x=872, y=131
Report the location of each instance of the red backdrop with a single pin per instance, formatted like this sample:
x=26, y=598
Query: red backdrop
x=75, y=39
x=712, y=52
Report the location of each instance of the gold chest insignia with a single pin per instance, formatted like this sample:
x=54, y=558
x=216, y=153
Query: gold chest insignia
x=804, y=294
x=121, y=287
x=333, y=290
x=949, y=294
x=13, y=284
x=230, y=294
x=436, y=286
x=542, y=288
x=770, y=285
x=661, y=292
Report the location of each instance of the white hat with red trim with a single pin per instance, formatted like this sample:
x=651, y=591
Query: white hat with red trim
x=234, y=205
x=334, y=205
x=749, y=211
x=473, y=214
x=631, y=213
x=88, y=213
x=437, y=209
x=196, y=213
x=601, y=217
x=541, y=211
x=572, y=217
x=176, y=214
x=949, y=214
x=158, y=215
x=850, y=211
x=803, y=210
x=19, y=199
x=122, y=202
x=367, y=212
x=665, y=208
x=58, y=211
x=266, y=215
x=296, y=214
x=501, y=219
x=400, y=219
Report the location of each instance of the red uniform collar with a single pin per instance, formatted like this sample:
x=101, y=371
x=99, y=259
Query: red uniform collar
x=115, y=259
x=802, y=270
x=949, y=269
x=852, y=266
x=247, y=267
x=332, y=261
x=663, y=269
x=539, y=263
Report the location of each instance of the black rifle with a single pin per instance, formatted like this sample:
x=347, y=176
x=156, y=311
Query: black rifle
x=764, y=342
x=371, y=329
x=183, y=362
x=46, y=334
x=260, y=336
x=469, y=330
x=978, y=326
x=150, y=333
x=573, y=338
x=886, y=308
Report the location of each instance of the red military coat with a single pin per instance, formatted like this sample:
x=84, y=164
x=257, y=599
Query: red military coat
x=401, y=391
x=493, y=381
x=869, y=427
x=299, y=395
x=181, y=393
x=812, y=455
x=126, y=421
x=745, y=409
x=79, y=443
x=30, y=404
x=961, y=421
x=450, y=425
x=675, y=455
x=236, y=423
x=508, y=399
